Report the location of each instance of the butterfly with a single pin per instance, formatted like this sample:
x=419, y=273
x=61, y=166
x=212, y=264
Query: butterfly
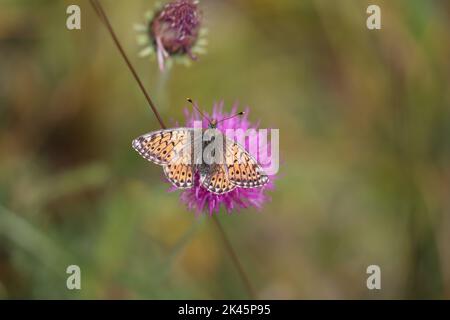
x=174, y=149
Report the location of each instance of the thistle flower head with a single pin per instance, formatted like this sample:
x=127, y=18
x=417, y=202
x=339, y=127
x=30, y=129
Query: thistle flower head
x=199, y=198
x=176, y=26
x=173, y=31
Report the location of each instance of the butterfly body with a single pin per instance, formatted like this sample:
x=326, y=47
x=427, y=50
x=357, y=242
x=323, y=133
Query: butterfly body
x=180, y=152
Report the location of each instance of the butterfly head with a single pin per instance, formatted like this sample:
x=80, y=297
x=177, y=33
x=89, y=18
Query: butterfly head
x=213, y=122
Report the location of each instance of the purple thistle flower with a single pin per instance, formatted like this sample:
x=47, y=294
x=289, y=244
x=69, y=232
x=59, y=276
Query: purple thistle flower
x=200, y=199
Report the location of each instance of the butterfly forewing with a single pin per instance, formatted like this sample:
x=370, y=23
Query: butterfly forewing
x=164, y=146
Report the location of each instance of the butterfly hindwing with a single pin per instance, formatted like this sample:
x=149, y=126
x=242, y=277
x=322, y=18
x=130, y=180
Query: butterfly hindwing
x=180, y=173
x=217, y=181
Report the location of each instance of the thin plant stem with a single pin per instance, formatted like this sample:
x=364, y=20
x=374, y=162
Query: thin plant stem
x=229, y=248
x=161, y=86
x=103, y=17
x=235, y=259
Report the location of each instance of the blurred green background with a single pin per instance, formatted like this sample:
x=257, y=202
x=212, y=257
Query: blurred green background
x=364, y=120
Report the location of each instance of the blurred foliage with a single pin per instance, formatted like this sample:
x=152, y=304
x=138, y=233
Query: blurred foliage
x=364, y=119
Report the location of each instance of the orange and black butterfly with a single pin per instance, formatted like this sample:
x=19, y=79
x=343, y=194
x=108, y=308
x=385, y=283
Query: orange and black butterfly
x=174, y=150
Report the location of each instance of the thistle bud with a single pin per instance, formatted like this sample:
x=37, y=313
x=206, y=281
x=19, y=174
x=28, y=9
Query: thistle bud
x=174, y=31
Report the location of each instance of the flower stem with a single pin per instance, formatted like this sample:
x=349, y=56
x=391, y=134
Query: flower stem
x=102, y=15
x=234, y=258
x=161, y=87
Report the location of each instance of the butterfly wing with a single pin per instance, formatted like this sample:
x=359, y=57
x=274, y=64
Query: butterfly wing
x=163, y=146
x=217, y=180
x=180, y=173
x=170, y=148
x=242, y=168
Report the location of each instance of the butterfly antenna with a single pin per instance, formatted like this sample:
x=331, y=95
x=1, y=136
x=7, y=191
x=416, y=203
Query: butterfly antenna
x=236, y=115
x=195, y=107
